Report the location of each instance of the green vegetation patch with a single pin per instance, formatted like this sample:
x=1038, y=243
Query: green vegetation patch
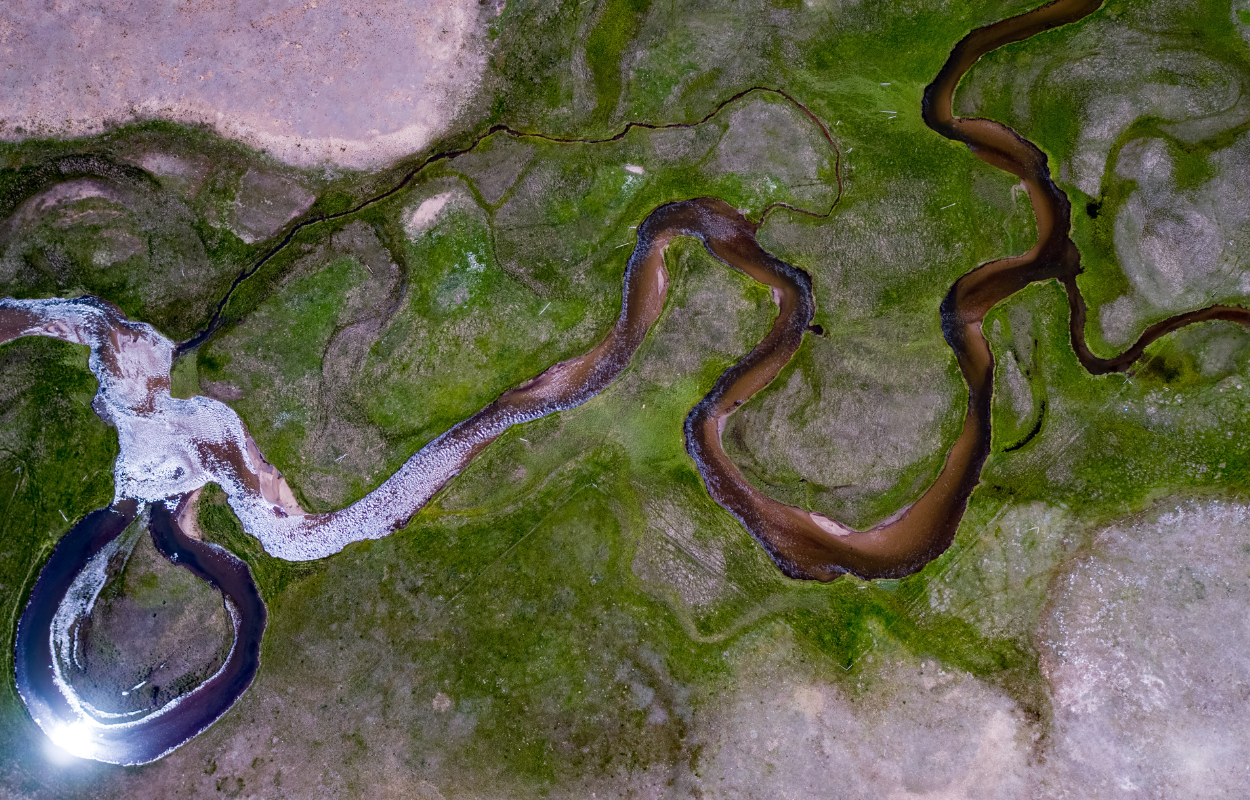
x=56, y=459
x=618, y=24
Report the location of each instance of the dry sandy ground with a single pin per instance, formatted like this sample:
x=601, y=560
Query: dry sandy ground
x=1142, y=644
x=351, y=82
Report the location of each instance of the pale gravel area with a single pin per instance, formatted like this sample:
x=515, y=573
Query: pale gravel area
x=924, y=732
x=1143, y=647
x=353, y=84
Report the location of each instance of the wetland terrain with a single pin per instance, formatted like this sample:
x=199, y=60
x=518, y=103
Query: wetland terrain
x=939, y=489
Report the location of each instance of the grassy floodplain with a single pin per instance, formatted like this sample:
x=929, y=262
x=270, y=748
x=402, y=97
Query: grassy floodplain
x=573, y=613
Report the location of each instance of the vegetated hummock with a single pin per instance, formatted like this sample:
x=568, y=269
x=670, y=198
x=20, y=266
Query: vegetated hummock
x=573, y=615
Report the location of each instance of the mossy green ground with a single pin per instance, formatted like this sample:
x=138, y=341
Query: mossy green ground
x=1054, y=100
x=572, y=605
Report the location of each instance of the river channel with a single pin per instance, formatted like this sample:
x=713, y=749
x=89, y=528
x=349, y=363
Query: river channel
x=169, y=447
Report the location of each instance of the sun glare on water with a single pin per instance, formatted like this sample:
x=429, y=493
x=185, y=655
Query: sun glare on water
x=75, y=739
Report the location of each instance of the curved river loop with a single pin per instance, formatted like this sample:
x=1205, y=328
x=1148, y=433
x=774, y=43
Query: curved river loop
x=169, y=448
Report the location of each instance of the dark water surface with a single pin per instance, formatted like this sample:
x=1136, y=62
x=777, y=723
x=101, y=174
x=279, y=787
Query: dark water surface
x=133, y=739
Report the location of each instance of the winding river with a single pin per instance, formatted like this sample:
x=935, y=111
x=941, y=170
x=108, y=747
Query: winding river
x=169, y=448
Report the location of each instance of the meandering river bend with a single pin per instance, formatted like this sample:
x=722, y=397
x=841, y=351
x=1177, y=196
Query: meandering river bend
x=169, y=448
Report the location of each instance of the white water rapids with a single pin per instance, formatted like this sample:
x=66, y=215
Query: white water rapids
x=169, y=447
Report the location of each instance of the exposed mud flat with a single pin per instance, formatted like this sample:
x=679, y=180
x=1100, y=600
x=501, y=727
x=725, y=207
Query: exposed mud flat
x=348, y=84
x=919, y=730
x=1141, y=645
x=1144, y=646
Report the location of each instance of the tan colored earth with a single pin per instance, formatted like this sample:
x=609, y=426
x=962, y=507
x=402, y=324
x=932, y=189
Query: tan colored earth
x=355, y=83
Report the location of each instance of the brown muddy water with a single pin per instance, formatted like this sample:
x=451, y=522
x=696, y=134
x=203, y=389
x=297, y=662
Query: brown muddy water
x=808, y=545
